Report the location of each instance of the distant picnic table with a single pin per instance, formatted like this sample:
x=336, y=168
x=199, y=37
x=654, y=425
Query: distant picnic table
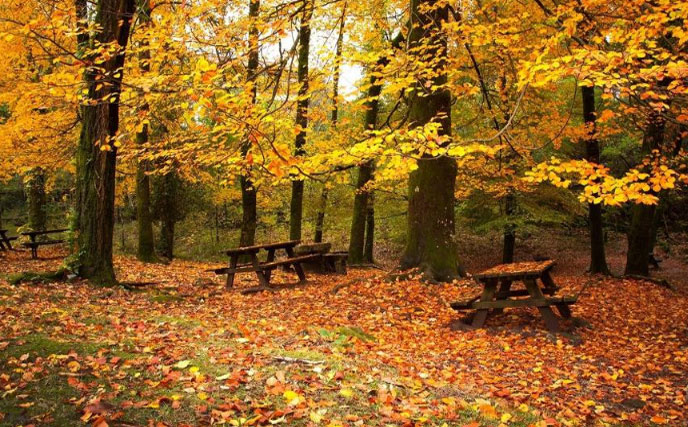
x=35, y=244
x=505, y=275
x=263, y=269
x=5, y=241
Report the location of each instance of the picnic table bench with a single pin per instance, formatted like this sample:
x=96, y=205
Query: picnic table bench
x=263, y=269
x=529, y=273
x=6, y=241
x=324, y=261
x=34, y=244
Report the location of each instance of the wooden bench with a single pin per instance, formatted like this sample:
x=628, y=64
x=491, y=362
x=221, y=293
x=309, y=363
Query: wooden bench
x=5, y=241
x=35, y=244
x=323, y=261
x=263, y=269
x=498, y=299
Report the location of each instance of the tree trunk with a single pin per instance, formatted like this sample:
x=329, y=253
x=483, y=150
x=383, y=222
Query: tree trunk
x=296, y=208
x=598, y=259
x=509, y=231
x=430, y=243
x=96, y=153
x=370, y=231
x=358, y=222
x=249, y=219
x=320, y=218
x=169, y=184
x=640, y=234
x=35, y=191
x=357, y=238
x=144, y=218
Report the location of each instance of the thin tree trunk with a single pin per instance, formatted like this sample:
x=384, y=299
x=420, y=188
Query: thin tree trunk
x=430, y=243
x=144, y=218
x=370, y=231
x=96, y=166
x=249, y=209
x=35, y=191
x=358, y=221
x=509, y=230
x=296, y=207
x=598, y=259
x=320, y=217
x=169, y=184
x=365, y=170
x=640, y=234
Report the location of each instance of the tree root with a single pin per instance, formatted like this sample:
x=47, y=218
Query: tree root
x=661, y=282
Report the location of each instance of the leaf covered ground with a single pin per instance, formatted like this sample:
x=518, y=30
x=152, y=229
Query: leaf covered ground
x=185, y=351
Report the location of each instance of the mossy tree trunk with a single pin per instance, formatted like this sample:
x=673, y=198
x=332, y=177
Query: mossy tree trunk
x=35, y=192
x=249, y=218
x=640, y=239
x=598, y=259
x=296, y=206
x=144, y=217
x=95, y=165
x=430, y=245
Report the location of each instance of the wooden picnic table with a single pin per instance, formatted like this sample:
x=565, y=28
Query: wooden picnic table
x=504, y=275
x=5, y=241
x=34, y=244
x=264, y=269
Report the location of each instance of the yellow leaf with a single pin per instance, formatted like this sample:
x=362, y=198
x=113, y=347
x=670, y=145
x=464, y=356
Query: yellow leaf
x=182, y=364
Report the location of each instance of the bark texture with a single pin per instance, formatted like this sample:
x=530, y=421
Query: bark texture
x=96, y=167
x=640, y=239
x=430, y=243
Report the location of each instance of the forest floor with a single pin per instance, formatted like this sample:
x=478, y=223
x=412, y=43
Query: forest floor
x=186, y=351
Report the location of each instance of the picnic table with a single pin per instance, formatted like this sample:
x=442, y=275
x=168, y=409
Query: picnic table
x=5, y=241
x=263, y=269
x=504, y=275
x=34, y=244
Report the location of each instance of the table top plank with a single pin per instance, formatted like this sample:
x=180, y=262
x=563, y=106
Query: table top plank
x=257, y=248
x=516, y=270
x=38, y=233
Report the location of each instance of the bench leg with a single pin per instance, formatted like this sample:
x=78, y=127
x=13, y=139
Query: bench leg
x=564, y=310
x=270, y=258
x=262, y=277
x=505, y=287
x=230, y=276
x=488, y=295
x=546, y=312
x=297, y=265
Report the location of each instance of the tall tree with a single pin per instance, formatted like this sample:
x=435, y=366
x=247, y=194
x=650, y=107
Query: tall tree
x=430, y=245
x=598, y=260
x=35, y=192
x=302, y=104
x=168, y=212
x=248, y=191
x=357, y=238
x=144, y=217
x=320, y=218
x=97, y=152
x=640, y=238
